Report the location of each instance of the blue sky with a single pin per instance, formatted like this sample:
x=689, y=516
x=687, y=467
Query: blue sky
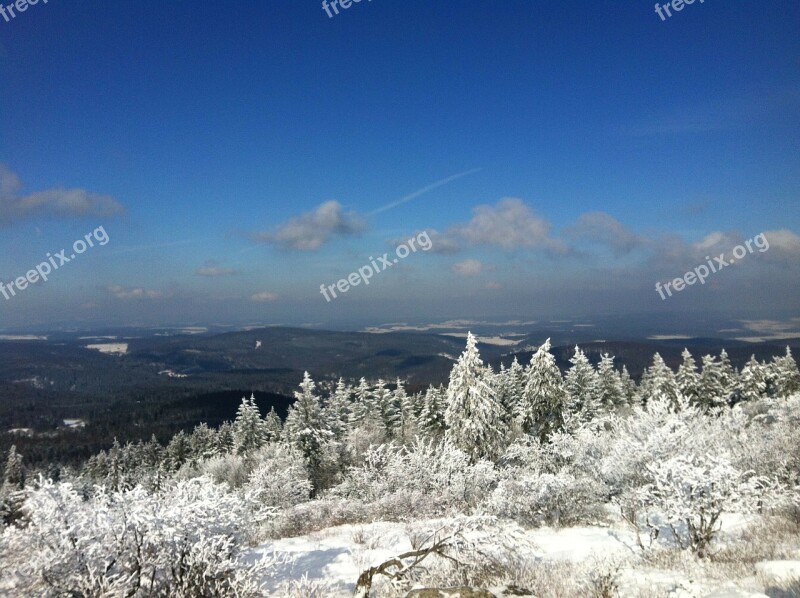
x=604, y=150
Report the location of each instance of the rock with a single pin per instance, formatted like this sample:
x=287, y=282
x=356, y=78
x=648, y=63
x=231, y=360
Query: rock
x=462, y=592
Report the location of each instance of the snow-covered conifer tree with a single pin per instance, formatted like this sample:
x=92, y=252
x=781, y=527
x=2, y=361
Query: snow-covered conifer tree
x=249, y=429
x=784, y=376
x=203, y=442
x=713, y=383
x=582, y=386
x=474, y=418
x=338, y=408
x=752, y=383
x=659, y=380
x=431, y=419
x=541, y=407
x=363, y=404
x=273, y=425
x=688, y=378
x=389, y=412
x=14, y=474
x=609, y=384
x=306, y=430
x=629, y=389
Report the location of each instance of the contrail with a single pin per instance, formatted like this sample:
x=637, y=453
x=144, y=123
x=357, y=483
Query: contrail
x=422, y=191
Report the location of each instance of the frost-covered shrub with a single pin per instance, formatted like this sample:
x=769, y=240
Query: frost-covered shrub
x=552, y=483
x=457, y=551
x=230, y=469
x=772, y=447
x=314, y=516
x=535, y=498
x=183, y=541
x=280, y=479
x=651, y=434
x=425, y=479
x=690, y=493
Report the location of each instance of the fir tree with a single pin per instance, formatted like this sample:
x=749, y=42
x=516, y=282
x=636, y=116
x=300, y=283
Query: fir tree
x=225, y=438
x=363, y=404
x=713, y=383
x=431, y=419
x=688, y=378
x=306, y=430
x=203, y=442
x=752, y=383
x=337, y=411
x=474, y=418
x=407, y=424
x=658, y=380
x=629, y=390
x=609, y=384
x=388, y=410
x=249, y=430
x=178, y=452
x=274, y=426
x=728, y=375
x=582, y=386
x=541, y=407
x=14, y=473
x=784, y=375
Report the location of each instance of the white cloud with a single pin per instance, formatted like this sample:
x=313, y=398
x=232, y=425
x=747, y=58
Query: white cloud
x=59, y=203
x=124, y=293
x=264, y=296
x=469, y=267
x=213, y=269
x=312, y=230
x=784, y=240
x=510, y=224
x=602, y=228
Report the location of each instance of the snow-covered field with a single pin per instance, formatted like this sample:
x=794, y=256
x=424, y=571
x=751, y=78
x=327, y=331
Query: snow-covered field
x=110, y=348
x=333, y=559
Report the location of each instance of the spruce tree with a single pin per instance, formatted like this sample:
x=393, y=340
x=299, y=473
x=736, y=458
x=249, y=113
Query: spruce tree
x=784, y=375
x=306, y=430
x=752, y=384
x=431, y=419
x=541, y=407
x=713, y=383
x=389, y=412
x=338, y=409
x=582, y=385
x=609, y=384
x=249, y=430
x=658, y=380
x=688, y=378
x=629, y=389
x=14, y=473
x=474, y=418
x=273, y=425
x=362, y=405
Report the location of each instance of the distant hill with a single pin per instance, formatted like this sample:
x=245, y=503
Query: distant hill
x=166, y=383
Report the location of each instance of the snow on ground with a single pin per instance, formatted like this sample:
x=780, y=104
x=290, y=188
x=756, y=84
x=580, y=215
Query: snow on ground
x=779, y=571
x=110, y=348
x=339, y=554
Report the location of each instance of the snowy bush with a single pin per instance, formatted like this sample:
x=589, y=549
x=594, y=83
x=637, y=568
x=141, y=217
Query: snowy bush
x=316, y=515
x=691, y=492
x=535, y=498
x=425, y=479
x=230, y=469
x=280, y=479
x=459, y=551
x=183, y=541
